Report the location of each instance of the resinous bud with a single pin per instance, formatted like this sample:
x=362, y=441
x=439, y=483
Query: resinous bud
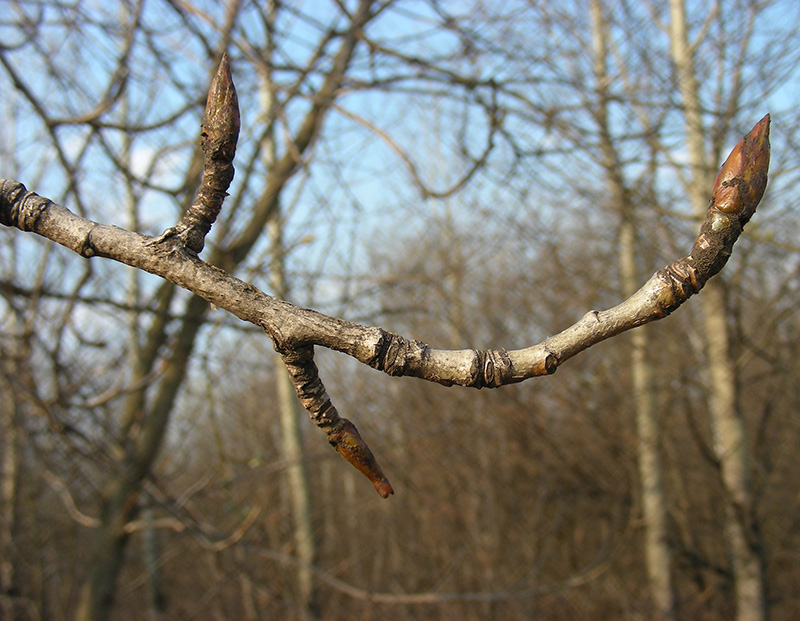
x=347, y=441
x=742, y=179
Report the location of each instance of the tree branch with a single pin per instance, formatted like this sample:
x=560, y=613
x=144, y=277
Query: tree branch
x=218, y=139
x=340, y=432
x=294, y=330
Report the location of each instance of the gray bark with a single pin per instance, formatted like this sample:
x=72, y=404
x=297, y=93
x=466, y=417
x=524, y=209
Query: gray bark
x=294, y=456
x=292, y=327
x=658, y=557
x=726, y=416
x=289, y=410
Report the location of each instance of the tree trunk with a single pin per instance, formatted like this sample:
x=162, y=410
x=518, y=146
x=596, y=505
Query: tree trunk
x=658, y=557
x=744, y=546
x=151, y=552
x=293, y=451
x=290, y=411
x=144, y=430
x=8, y=497
x=97, y=594
x=290, y=414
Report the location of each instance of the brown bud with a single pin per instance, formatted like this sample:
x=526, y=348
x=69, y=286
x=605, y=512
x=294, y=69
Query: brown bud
x=347, y=441
x=742, y=179
x=221, y=119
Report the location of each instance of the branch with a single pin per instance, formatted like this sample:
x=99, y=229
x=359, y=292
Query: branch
x=495, y=120
x=340, y=432
x=69, y=502
x=218, y=139
x=596, y=568
x=295, y=331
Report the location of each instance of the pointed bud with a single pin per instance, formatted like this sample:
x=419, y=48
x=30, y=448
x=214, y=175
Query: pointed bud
x=347, y=441
x=221, y=120
x=742, y=179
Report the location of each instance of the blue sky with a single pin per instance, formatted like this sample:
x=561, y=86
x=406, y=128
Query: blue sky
x=358, y=189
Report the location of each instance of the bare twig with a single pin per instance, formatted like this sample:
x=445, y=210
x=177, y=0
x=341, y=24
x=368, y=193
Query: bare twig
x=69, y=502
x=218, y=140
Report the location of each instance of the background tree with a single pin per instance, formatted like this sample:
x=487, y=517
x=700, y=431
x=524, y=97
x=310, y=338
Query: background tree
x=658, y=556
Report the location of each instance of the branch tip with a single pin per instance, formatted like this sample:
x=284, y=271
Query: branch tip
x=218, y=138
x=340, y=432
x=742, y=179
x=221, y=120
x=344, y=437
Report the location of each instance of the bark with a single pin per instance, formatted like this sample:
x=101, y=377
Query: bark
x=8, y=498
x=151, y=552
x=121, y=494
x=658, y=556
x=289, y=410
x=14, y=369
x=293, y=452
x=97, y=594
x=744, y=546
x=248, y=595
x=294, y=456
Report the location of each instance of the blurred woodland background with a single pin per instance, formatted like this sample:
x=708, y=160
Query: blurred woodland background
x=469, y=174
